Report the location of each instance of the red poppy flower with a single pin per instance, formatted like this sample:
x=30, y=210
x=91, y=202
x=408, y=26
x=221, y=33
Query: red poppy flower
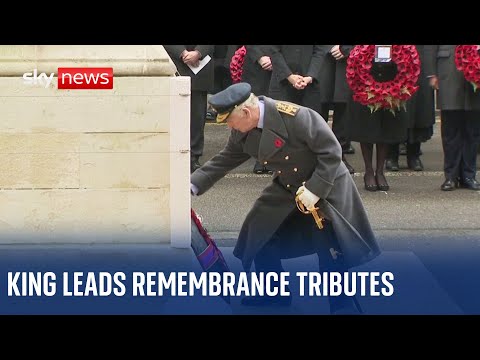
x=467, y=60
x=278, y=142
x=390, y=95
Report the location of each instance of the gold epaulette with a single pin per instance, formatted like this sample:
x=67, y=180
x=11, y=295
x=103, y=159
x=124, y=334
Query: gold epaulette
x=287, y=108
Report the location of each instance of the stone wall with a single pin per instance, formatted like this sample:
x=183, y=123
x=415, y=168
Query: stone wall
x=93, y=166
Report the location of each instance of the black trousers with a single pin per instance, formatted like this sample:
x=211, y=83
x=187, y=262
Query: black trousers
x=460, y=131
x=198, y=110
x=338, y=121
x=413, y=151
x=221, y=79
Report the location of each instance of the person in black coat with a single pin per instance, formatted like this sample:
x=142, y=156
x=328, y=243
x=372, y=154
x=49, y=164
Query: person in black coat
x=221, y=76
x=421, y=118
x=202, y=83
x=334, y=94
x=256, y=71
x=380, y=129
x=460, y=117
x=296, y=73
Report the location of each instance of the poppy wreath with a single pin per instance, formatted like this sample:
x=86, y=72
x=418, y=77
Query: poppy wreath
x=467, y=60
x=236, y=64
x=389, y=95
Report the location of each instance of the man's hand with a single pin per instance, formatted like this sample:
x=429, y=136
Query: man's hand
x=193, y=189
x=306, y=80
x=295, y=80
x=433, y=81
x=265, y=62
x=336, y=53
x=307, y=198
x=191, y=57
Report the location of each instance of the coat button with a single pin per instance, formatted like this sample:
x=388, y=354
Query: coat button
x=287, y=157
x=288, y=185
x=265, y=162
x=279, y=171
x=295, y=169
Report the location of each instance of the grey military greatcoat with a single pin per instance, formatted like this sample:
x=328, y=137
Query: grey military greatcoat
x=300, y=147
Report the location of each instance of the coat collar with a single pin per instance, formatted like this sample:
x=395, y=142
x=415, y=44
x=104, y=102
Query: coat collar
x=274, y=133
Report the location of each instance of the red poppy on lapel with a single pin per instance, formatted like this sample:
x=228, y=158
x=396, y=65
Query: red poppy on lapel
x=278, y=142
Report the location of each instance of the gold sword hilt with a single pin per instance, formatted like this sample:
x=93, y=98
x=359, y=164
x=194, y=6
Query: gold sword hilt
x=318, y=219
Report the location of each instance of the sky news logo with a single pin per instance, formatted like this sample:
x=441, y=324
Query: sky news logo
x=74, y=78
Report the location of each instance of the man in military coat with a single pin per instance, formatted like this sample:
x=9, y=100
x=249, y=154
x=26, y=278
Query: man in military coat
x=301, y=149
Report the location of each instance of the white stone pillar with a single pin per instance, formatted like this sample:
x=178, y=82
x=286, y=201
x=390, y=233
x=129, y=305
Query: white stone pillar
x=88, y=166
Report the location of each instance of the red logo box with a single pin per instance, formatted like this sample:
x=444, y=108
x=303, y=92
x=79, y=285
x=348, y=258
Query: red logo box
x=85, y=78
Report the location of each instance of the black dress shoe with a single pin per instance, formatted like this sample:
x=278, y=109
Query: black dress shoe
x=382, y=185
x=392, y=165
x=415, y=164
x=370, y=186
x=258, y=300
x=470, y=183
x=258, y=168
x=194, y=165
x=448, y=185
x=211, y=115
x=350, y=168
x=349, y=149
x=266, y=170
x=261, y=169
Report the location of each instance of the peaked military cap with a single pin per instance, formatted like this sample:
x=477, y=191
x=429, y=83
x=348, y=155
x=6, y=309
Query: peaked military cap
x=226, y=100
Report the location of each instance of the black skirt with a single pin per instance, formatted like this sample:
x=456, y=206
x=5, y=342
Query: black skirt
x=380, y=127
